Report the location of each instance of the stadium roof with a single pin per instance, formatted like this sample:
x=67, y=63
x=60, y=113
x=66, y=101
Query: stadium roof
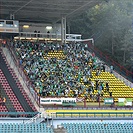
x=47, y=11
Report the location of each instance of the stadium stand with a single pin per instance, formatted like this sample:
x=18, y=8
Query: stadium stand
x=89, y=78
x=16, y=98
x=16, y=104
x=98, y=127
x=68, y=70
x=61, y=70
x=24, y=128
x=117, y=87
x=55, y=70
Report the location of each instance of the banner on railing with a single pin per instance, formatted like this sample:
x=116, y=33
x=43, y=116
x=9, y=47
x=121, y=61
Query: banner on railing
x=80, y=99
x=108, y=101
x=58, y=101
x=125, y=101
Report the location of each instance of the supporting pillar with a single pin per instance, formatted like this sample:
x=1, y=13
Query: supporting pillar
x=12, y=17
x=132, y=47
x=68, y=26
x=63, y=30
x=55, y=30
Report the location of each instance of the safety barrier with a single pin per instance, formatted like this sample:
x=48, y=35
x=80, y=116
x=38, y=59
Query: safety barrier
x=18, y=114
x=23, y=75
x=91, y=114
x=38, y=118
x=122, y=70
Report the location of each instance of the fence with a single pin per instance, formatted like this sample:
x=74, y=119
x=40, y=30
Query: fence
x=91, y=114
x=18, y=114
x=38, y=118
x=48, y=36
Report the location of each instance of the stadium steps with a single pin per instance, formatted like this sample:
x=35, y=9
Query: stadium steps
x=8, y=103
x=58, y=130
x=36, y=119
x=117, y=87
x=13, y=85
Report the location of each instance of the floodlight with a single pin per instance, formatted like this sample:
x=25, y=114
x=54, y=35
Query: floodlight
x=48, y=27
x=25, y=26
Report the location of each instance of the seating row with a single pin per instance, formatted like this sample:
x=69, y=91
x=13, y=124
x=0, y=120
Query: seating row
x=11, y=95
x=98, y=127
x=25, y=128
x=9, y=90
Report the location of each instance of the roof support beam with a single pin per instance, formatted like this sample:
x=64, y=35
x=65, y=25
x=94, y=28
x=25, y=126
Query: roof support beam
x=52, y=10
x=36, y=8
x=63, y=30
x=23, y=6
x=81, y=7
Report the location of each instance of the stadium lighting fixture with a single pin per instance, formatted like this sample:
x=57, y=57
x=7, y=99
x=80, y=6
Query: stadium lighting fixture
x=25, y=26
x=15, y=25
x=1, y=25
x=48, y=27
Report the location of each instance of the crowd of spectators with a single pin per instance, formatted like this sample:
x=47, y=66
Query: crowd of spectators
x=69, y=77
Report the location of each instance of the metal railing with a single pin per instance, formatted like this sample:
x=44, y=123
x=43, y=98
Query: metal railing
x=18, y=114
x=38, y=118
x=23, y=75
x=122, y=71
x=32, y=35
x=91, y=114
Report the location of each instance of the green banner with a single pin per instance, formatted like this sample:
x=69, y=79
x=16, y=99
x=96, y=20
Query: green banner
x=108, y=100
x=124, y=101
x=68, y=103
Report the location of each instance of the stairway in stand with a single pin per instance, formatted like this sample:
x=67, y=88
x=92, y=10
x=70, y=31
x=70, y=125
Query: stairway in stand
x=14, y=88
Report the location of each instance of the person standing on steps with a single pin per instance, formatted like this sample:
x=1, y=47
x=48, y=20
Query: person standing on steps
x=111, y=69
x=4, y=101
